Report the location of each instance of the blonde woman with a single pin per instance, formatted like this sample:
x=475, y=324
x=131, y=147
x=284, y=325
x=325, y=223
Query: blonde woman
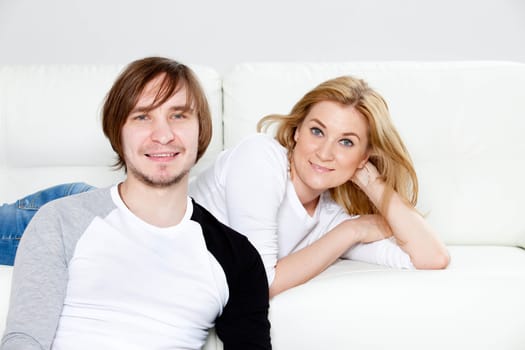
x=336, y=178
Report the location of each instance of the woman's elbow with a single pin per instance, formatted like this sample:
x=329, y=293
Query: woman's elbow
x=273, y=292
x=437, y=261
x=441, y=261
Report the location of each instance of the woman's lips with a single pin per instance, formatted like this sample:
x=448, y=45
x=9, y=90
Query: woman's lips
x=319, y=168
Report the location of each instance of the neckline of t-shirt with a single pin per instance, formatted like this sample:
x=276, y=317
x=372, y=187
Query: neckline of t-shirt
x=152, y=228
x=299, y=207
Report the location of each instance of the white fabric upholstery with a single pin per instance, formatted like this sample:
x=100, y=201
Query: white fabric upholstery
x=475, y=304
x=463, y=123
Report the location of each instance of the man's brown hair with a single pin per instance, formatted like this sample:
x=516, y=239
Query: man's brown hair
x=125, y=92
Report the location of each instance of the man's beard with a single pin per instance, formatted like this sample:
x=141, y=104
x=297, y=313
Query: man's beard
x=157, y=183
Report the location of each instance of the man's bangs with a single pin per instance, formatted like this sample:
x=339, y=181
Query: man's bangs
x=169, y=87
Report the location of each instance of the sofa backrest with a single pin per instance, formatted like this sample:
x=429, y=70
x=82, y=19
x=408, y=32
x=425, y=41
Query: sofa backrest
x=463, y=123
x=50, y=125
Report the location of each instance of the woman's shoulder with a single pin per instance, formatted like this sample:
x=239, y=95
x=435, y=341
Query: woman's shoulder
x=260, y=146
x=257, y=156
x=260, y=140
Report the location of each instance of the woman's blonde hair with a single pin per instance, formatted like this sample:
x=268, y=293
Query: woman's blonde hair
x=386, y=149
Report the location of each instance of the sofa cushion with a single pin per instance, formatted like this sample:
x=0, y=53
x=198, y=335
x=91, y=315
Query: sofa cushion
x=476, y=303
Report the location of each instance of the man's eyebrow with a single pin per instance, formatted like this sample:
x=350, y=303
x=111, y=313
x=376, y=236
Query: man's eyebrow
x=184, y=108
x=141, y=109
x=351, y=133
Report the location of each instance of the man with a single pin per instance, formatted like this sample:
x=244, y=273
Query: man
x=140, y=265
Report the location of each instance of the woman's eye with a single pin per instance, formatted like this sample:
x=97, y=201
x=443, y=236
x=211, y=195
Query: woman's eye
x=316, y=131
x=346, y=142
x=140, y=117
x=177, y=116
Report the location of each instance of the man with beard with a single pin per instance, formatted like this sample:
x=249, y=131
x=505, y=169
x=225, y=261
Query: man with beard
x=140, y=265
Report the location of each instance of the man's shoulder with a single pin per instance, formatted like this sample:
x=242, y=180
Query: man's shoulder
x=234, y=252
x=98, y=200
x=210, y=223
x=226, y=244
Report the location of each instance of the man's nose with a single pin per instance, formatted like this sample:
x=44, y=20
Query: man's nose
x=162, y=132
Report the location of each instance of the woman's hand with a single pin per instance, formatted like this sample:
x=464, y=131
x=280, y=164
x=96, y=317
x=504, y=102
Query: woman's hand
x=365, y=175
x=412, y=232
x=370, y=228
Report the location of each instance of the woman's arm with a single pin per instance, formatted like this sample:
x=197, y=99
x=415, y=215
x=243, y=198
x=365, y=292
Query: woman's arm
x=411, y=231
x=255, y=175
x=301, y=266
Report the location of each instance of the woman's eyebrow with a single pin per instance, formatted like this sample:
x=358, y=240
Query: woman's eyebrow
x=350, y=133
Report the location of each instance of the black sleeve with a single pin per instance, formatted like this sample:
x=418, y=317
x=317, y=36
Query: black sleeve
x=244, y=322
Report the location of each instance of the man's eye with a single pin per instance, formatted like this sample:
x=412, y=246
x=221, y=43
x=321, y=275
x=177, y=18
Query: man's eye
x=346, y=142
x=316, y=131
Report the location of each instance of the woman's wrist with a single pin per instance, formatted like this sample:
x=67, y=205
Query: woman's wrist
x=366, y=176
x=351, y=232
x=372, y=185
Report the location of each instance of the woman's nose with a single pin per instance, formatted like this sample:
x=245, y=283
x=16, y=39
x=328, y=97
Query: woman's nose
x=325, y=152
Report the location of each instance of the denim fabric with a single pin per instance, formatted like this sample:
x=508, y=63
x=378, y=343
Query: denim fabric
x=14, y=217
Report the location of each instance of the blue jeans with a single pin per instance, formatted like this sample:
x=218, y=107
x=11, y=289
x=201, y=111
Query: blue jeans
x=14, y=217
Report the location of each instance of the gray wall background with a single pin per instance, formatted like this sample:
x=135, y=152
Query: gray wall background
x=222, y=33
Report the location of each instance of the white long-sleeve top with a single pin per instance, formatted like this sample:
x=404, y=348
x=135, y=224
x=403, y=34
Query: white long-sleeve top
x=249, y=188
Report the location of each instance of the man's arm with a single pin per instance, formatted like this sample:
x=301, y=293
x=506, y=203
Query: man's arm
x=244, y=322
x=38, y=286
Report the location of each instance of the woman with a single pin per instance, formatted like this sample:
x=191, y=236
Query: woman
x=335, y=156
x=335, y=182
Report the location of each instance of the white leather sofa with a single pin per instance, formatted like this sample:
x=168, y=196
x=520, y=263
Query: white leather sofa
x=464, y=123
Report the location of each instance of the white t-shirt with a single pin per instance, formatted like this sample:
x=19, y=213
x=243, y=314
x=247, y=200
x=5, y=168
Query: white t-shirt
x=249, y=188
x=146, y=294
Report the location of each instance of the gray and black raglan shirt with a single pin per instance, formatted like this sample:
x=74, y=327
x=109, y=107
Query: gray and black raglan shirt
x=91, y=275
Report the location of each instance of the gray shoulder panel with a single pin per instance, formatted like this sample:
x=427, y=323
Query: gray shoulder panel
x=40, y=275
x=77, y=212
